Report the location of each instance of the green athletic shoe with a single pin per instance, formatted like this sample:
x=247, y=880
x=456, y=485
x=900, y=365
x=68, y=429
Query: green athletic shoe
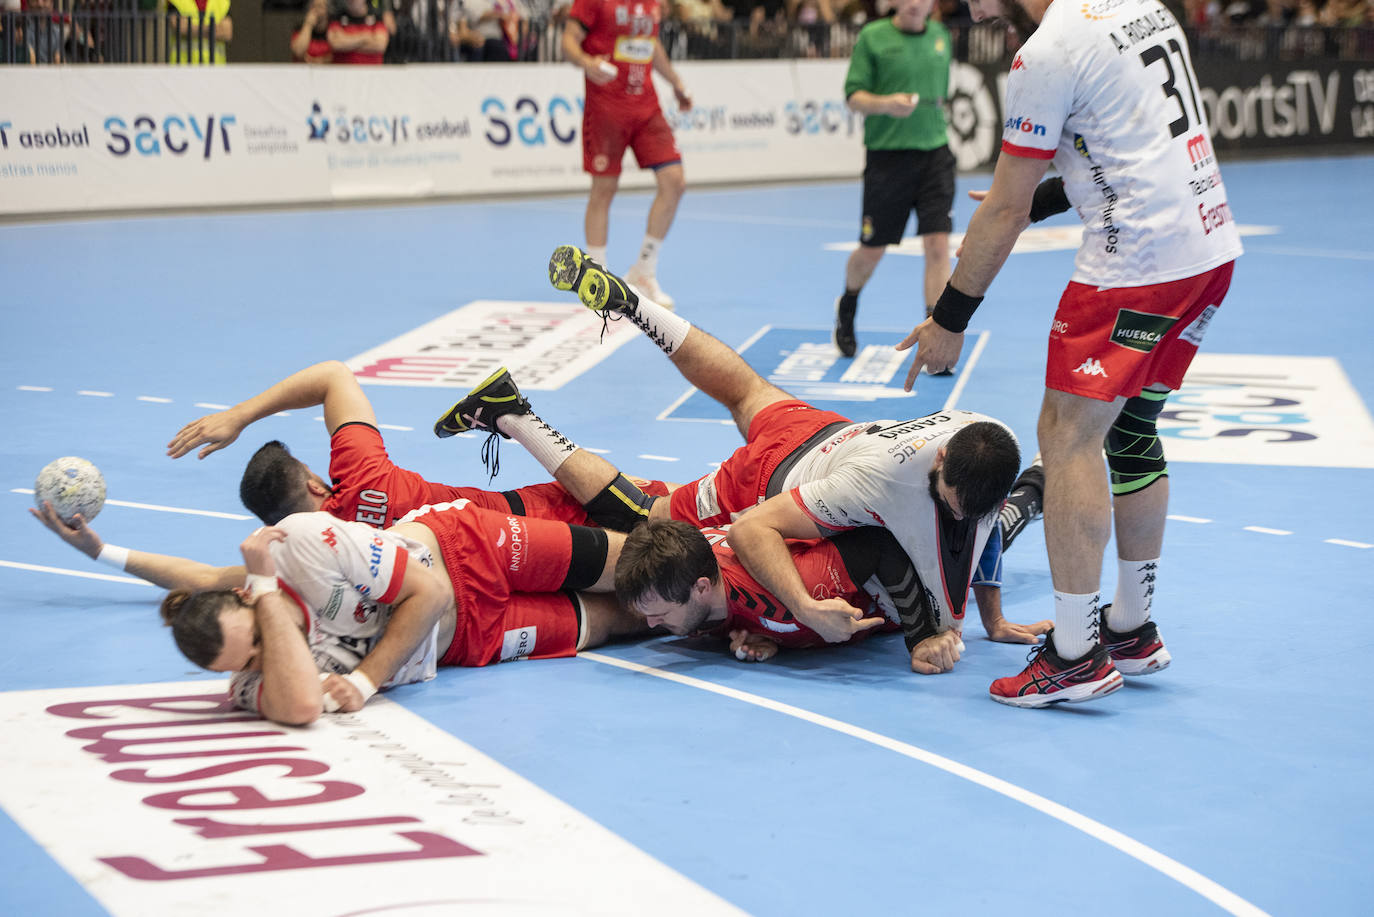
x=479, y=409
x=570, y=268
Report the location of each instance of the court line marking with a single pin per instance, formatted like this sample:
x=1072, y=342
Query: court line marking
x=1264, y=531
x=108, y=577
x=1349, y=544
x=153, y=506
x=1189, y=878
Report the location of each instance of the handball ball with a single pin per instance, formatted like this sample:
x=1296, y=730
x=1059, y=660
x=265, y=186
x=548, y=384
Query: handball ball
x=72, y=485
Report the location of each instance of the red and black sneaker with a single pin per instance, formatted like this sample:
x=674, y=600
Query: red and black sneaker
x=1135, y=652
x=1050, y=679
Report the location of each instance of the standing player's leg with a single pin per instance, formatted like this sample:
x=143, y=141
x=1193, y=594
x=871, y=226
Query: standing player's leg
x=857, y=271
x=934, y=204
x=596, y=223
x=703, y=360
x=654, y=148
x=1140, y=500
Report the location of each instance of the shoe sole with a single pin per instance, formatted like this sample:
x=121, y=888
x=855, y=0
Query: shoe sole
x=444, y=426
x=1155, y=662
x=568, y=270
x=1076, y=694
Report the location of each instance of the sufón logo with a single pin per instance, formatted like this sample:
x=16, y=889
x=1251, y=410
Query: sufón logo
x=1025, y=126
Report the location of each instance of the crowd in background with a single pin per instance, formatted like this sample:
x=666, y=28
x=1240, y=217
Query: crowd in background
x=400, y=31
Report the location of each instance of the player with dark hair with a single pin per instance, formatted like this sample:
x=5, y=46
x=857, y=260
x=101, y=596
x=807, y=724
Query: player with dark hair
x=690, y=582
x=366, y=485
x=1114, y=106
x=804, y=473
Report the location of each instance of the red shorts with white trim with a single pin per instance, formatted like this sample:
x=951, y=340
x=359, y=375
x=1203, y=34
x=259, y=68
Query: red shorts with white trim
x=776, y=432
x=608, y=130
x=507, y=572
x=1111, y=343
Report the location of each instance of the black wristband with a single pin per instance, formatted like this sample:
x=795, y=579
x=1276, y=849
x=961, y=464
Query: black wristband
x=953, y=309
x=1049, y=199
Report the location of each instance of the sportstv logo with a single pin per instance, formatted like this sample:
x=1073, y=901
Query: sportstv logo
x=1092, y=367
x=176, y=133
x=358, y=129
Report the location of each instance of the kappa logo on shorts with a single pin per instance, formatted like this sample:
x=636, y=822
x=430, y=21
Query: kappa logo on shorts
x=1140, y=330
x=1092, y=367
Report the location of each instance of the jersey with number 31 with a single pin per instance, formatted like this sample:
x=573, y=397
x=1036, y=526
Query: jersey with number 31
x=1106, y=88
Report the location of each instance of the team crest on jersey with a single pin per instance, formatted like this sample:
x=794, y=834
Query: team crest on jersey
x=1081, y=146
x=1140, y=330
x=866, y=231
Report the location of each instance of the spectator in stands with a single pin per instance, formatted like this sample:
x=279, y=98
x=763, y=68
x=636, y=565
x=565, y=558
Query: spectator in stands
x=310, y=41
x=503, y=26
x=466, y=40
x=357, y=34
x=196, y=20
x=44, y=36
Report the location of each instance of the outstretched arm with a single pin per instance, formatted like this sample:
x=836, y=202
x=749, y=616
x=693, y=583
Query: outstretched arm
x=291, y=691
x=165, y=570
x=758, y=539
x=330, y=384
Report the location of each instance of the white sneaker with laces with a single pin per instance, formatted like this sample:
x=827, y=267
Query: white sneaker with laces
x=647, y=286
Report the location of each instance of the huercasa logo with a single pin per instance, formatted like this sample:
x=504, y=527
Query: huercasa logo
x=1140, y=330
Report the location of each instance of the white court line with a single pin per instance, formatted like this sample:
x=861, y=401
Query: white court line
x=154, y=399
x=967, y=370
x=109, y=577
x=35, y=388
x=1348, y=544
x=212, y=406
x=1264, y=531
x=388, y=426
x=96, y=394
x=154, y=506
x=1196, y=519
x=1191, y=879
x=659, y=458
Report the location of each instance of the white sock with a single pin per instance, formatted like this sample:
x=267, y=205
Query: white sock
x=598, y=254
x=1075, y=623
x=1135, y=590
x=648, y=256
x=549, y=447
x=665, y=328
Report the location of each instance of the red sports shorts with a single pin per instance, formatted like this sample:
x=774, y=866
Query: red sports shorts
x=508, y=573
x=607, y=131
x=776, y=432
x=1111, y=343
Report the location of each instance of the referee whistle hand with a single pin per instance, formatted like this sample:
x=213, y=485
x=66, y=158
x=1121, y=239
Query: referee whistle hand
x=900, y=104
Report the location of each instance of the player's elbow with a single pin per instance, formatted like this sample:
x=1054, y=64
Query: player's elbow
x=301, y=712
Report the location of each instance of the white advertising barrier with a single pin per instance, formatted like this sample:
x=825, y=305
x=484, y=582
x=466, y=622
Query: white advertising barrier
x=103, y=138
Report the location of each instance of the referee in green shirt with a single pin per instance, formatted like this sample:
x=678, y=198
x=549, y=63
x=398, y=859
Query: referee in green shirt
x=898, y=79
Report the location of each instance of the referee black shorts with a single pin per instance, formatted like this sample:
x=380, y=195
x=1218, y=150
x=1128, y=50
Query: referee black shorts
x=899, y=181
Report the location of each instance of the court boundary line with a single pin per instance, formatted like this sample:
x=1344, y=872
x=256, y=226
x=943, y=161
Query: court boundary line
x=1189, y=878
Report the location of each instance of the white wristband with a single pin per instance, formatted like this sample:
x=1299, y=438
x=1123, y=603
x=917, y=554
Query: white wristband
x=259, y=585
x=364, y=684
x=113, y=555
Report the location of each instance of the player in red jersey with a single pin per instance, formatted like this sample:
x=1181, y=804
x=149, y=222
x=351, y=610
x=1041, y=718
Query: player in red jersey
x=332, y=610
x=690, y=582
x=366, y=485
x=615, y=43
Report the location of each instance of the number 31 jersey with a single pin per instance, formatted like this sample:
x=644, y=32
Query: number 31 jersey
x=1106, y=89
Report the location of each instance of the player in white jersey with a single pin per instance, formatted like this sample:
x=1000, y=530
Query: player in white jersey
x=335, y=608
x=1106, y=90
x=935, y=482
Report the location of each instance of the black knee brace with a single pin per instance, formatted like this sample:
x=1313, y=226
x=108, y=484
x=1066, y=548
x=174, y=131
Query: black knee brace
x=1135, y=456
x=621, y=506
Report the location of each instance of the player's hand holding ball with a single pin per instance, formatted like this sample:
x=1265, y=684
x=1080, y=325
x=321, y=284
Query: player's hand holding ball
x=73, y=486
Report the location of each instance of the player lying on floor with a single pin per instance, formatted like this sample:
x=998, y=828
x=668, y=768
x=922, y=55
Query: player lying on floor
x=689, y=581
x=365, y=485
x=332, y=610
x=937, y=482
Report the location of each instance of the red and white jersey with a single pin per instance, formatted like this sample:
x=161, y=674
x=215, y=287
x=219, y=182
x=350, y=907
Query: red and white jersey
x=626, y=31
x=878, y=473
x=753, y=608
x=344, y=577
x=1106, y=89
